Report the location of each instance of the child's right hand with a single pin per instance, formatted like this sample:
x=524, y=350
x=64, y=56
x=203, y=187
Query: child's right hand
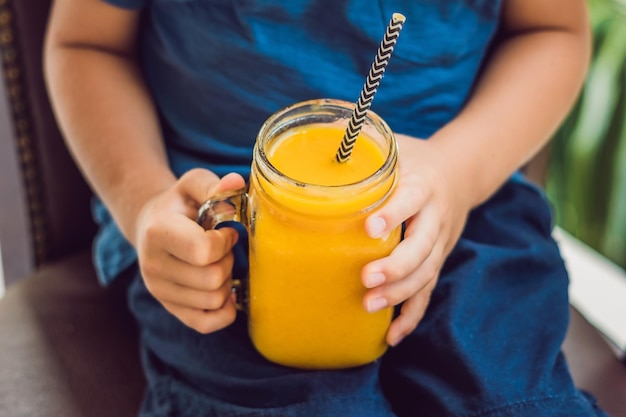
x=186, y=268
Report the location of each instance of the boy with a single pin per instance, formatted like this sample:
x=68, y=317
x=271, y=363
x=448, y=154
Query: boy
x=160, y=102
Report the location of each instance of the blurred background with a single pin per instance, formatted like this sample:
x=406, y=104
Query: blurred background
x=587, y=172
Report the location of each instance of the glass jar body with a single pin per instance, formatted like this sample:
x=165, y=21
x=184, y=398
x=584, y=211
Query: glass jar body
x=308, y=246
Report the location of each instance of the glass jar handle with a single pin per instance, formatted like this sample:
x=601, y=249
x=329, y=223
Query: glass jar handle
x=227, y=207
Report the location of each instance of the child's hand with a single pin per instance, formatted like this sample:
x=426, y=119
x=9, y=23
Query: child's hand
x=433, y=204
x=185, y=267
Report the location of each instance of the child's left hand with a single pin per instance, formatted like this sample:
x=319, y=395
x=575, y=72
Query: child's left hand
x=435, y=204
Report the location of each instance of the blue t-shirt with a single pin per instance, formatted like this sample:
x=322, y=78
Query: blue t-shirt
x=218, y=68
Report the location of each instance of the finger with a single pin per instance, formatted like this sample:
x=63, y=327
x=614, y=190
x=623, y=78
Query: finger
x=200, y=184
x=188, y=241
x=169, y=292
x=204, y=278
x=204, y=321
x=396, y=292
x=420, y=238
x=407, y=200
x=411, y=313
x=212, y=247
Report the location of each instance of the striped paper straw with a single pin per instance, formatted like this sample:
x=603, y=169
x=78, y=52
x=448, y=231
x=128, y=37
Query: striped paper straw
x=369, y=88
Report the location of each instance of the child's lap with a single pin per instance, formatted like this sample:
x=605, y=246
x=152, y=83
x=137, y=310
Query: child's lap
x=489, y=343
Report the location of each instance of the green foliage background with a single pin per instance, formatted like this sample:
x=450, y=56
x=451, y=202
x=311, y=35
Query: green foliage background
x=587, y=173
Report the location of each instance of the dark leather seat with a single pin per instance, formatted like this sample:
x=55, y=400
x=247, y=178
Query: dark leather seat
x=68, y=347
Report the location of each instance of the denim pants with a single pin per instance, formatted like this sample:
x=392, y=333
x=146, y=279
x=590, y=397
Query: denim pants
x=488, y=345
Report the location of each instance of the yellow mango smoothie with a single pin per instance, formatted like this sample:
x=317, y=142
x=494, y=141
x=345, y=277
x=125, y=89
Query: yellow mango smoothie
x=308, y=246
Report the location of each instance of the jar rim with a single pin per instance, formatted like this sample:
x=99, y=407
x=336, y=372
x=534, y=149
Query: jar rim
x=265, y=132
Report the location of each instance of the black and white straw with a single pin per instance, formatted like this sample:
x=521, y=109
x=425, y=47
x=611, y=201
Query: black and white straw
x=371, y=85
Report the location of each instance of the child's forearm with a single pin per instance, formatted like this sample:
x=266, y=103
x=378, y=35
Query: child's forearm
x=110, y=126
x=527, y=89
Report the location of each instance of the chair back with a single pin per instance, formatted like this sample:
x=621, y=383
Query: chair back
x=44, y=201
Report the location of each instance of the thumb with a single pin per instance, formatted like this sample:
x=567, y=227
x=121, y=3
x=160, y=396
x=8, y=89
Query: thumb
x=229, y=182
x=224, y=202
x=201, y=184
